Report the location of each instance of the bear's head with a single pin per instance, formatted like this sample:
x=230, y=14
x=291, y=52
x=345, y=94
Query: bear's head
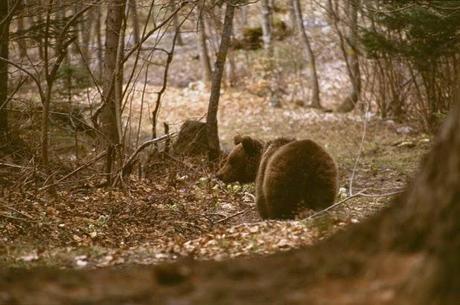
x=243, y=161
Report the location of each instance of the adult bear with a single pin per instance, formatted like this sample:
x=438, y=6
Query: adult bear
x=289, y=174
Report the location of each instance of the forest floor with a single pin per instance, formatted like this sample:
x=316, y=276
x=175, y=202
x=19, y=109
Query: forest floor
x=180, y=210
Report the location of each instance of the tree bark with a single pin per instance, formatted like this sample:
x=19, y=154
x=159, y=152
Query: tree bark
x=315, y=100
x=211, y=119
x=267, y=37
x=351, y=55
x=86, y=27
x=110, y=112
x=267, y=26
x=176, y=22
x=21, y=41
x=100, y=53
x=4, y=43
x=135, y=21
x=204, y=55
x=293, y=17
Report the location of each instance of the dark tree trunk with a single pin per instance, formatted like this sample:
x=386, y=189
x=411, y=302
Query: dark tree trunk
x=4, y=42
x=211, y=119
x=110, y=113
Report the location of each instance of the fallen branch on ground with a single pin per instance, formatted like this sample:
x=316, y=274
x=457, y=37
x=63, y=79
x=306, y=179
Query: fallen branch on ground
x=336, y=204
x=97, y=158
x=234, y=215
x=127, y=167
x=360, y=193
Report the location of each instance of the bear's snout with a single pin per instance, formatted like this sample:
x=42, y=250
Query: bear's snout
x=220, y=176
x=225, y=175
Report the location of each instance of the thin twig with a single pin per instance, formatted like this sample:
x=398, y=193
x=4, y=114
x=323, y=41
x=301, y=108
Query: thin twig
x=128, y=165
x=15, y=210
x=14, y=165
x=336, y=204
x=182, y=162
x=97, y=158
x=15, y=218
x=360, y=152
x=382, y=195
x=234, y=215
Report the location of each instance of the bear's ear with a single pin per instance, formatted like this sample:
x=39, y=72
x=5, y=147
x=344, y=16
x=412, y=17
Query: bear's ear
x=251, y=146
x=237, y=139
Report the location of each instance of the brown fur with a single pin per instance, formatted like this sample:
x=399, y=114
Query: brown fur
x=289, y=174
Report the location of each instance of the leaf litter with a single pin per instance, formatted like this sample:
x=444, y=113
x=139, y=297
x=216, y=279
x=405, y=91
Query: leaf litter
x=177, y=209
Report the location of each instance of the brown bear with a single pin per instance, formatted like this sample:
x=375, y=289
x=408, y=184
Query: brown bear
x=289, y=174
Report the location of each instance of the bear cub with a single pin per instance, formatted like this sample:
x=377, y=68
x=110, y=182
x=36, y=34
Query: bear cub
x=289, y=174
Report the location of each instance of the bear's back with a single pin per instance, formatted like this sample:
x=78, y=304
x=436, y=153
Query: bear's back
x=299, y=172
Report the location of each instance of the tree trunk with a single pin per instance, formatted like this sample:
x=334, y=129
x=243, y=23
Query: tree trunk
x=38, y=21
x=135, y=21
x=21, y=41
x=86, y=27
x=267, y=37
x=231, y=68
x=110, y=112
x=351, y=55
x=4, y=42
x=204, y=55
x=77, y=28
x=100, y=54
x=243, y=16
x=211, y=119
x=267, y=26
x=315, y=100
x=293, y=17
x=176, y=22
